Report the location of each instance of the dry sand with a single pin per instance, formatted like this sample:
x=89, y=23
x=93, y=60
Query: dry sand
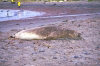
x=84, y=52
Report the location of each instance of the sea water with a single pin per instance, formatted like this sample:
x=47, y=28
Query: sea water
x=8, y=14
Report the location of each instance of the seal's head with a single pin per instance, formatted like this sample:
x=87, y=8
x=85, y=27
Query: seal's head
x=24, y=34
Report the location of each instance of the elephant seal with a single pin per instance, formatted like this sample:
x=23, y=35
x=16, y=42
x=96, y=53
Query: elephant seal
x=48, y=32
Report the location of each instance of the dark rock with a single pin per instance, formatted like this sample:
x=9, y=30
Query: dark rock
x=79, y=25
x=76, y=57
x=17, y=24
x=98, y=47
x=34, y=59
x=73, y=22
x=65, y=21
x=54, y=57
x=86, y=53
x=3, y=61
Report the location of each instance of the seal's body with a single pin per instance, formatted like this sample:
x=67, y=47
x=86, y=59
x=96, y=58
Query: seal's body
x=50, y=32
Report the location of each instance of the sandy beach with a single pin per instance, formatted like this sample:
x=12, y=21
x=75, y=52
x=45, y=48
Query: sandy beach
x=65, y=52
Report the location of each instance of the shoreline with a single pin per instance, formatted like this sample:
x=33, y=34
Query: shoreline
x=15, y=52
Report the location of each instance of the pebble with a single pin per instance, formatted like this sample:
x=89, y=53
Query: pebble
x=33, y=53
x=86, y=53
x=41, y=50
x=4, y=48
x=98, y=47
x=34, y=59
x=76, y=57
x=73, y=41
x=16, y=61
x=65, y=21
x=30, y=23
x=99, y=32
x=47, y=45
x=54, y=57
x=79, y=25
x=3, y=61
x=73, y=22
x=17, y=24
x=42, y=58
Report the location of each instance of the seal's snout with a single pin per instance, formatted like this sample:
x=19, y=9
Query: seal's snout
x=12, y=36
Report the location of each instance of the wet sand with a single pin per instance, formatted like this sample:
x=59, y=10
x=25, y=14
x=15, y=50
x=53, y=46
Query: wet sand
x=69, y=52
